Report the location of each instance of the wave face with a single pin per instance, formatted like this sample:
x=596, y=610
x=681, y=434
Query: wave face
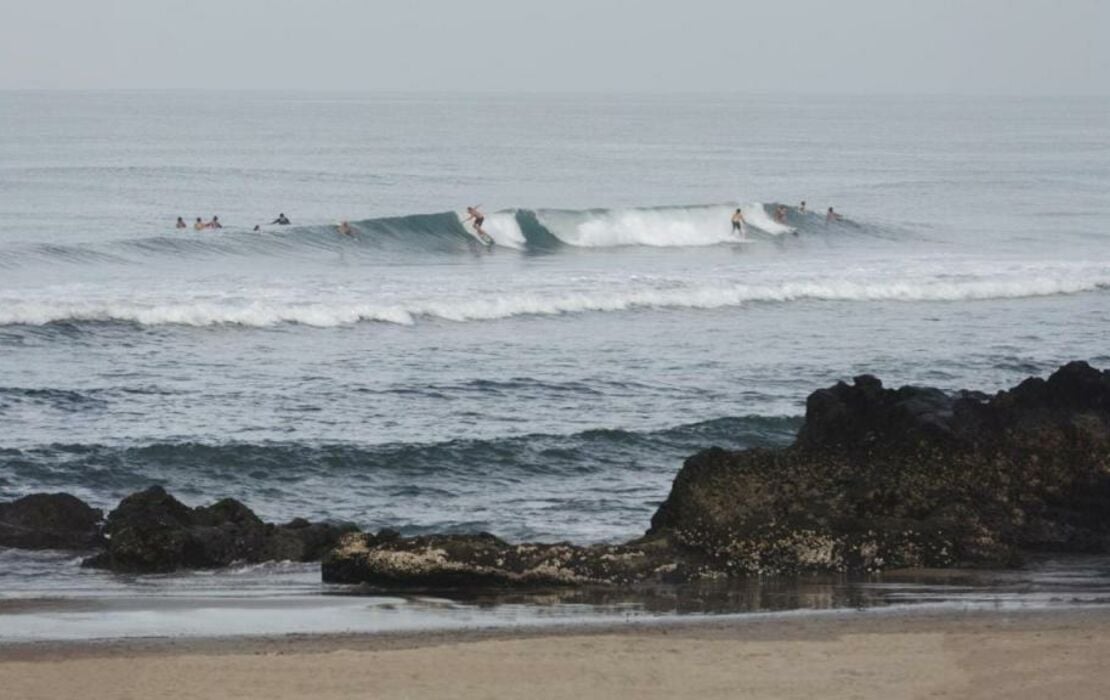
x=528, y=230
x=509, y=485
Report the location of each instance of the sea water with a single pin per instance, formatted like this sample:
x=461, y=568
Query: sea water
x=547, y=387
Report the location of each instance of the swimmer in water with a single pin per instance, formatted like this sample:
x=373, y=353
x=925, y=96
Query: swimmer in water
x=478, y=218
x=739, y=225
x=832, y=216
x=345, y=229
x=199, y=225
x=181, y=223
x=215, y=222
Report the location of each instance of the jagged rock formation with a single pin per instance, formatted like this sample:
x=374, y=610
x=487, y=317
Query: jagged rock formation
x=151, y=531
x=49, y=521
x=878, y=478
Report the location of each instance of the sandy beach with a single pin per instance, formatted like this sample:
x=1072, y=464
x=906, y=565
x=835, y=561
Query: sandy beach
x=857, y=655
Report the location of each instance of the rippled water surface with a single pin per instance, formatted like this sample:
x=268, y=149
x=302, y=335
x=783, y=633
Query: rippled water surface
x=549, y=386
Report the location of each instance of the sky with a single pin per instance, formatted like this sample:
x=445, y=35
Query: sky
x=997, y=47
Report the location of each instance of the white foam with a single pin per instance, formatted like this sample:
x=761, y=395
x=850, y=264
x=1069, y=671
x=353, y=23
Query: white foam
x=481, y=307
x=501, y=226
x=673, y=226
x=756, y=215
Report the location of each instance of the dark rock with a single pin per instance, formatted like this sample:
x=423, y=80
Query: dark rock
x=882, y=478
x=49, y=521
x=483, y=561
x=151, y=531
x=878, y=478
x=300, y=540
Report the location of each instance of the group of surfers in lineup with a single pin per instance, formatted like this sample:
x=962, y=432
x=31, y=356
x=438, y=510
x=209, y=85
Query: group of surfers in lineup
x=200, y=225
x=739, y=225
x=473, y=215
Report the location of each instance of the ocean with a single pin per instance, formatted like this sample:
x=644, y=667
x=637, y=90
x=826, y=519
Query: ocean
x=547, y=387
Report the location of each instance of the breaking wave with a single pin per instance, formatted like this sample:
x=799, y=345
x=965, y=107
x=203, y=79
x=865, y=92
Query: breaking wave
x=479, y=307
x=539, y=230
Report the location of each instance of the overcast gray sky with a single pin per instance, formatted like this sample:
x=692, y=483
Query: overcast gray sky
x=860, y=46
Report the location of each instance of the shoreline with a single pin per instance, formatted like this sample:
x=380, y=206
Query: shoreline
x=761, y=626
x=967, y=654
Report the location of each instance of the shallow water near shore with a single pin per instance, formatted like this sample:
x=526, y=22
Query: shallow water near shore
x=547, y=388
x=56, y=603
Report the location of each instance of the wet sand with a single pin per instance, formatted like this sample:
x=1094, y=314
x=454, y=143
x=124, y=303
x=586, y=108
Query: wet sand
x=859, y=654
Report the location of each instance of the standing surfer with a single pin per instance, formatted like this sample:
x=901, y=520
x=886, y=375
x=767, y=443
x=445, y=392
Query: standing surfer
x=478, y=218
x=739, y=225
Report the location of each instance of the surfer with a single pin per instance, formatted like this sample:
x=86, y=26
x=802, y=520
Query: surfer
x=478, y=217
x=282, y=220
x=780, y=214
x=344, y=229
x=181, y=223
x=832, y=216
x=257, y=227
x=215, y=222
x=739, y=225
x=199, y=225
x=802, y=207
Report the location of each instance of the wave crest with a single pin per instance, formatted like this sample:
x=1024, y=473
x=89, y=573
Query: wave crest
x=478, y=308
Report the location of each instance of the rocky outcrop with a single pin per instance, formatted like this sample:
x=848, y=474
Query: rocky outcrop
x=877, y=478
x=882, y=478
x=49, y=521
x=387, y=560
x=151, y=531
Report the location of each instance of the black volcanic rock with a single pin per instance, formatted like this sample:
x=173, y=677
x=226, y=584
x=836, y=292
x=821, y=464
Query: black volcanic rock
x=878, y=478
x=483, y=561
x=151, y=531
x=884, y=478
x=49, y=521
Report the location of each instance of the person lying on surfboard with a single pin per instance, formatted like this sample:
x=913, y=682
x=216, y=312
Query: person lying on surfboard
x=478, y=217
